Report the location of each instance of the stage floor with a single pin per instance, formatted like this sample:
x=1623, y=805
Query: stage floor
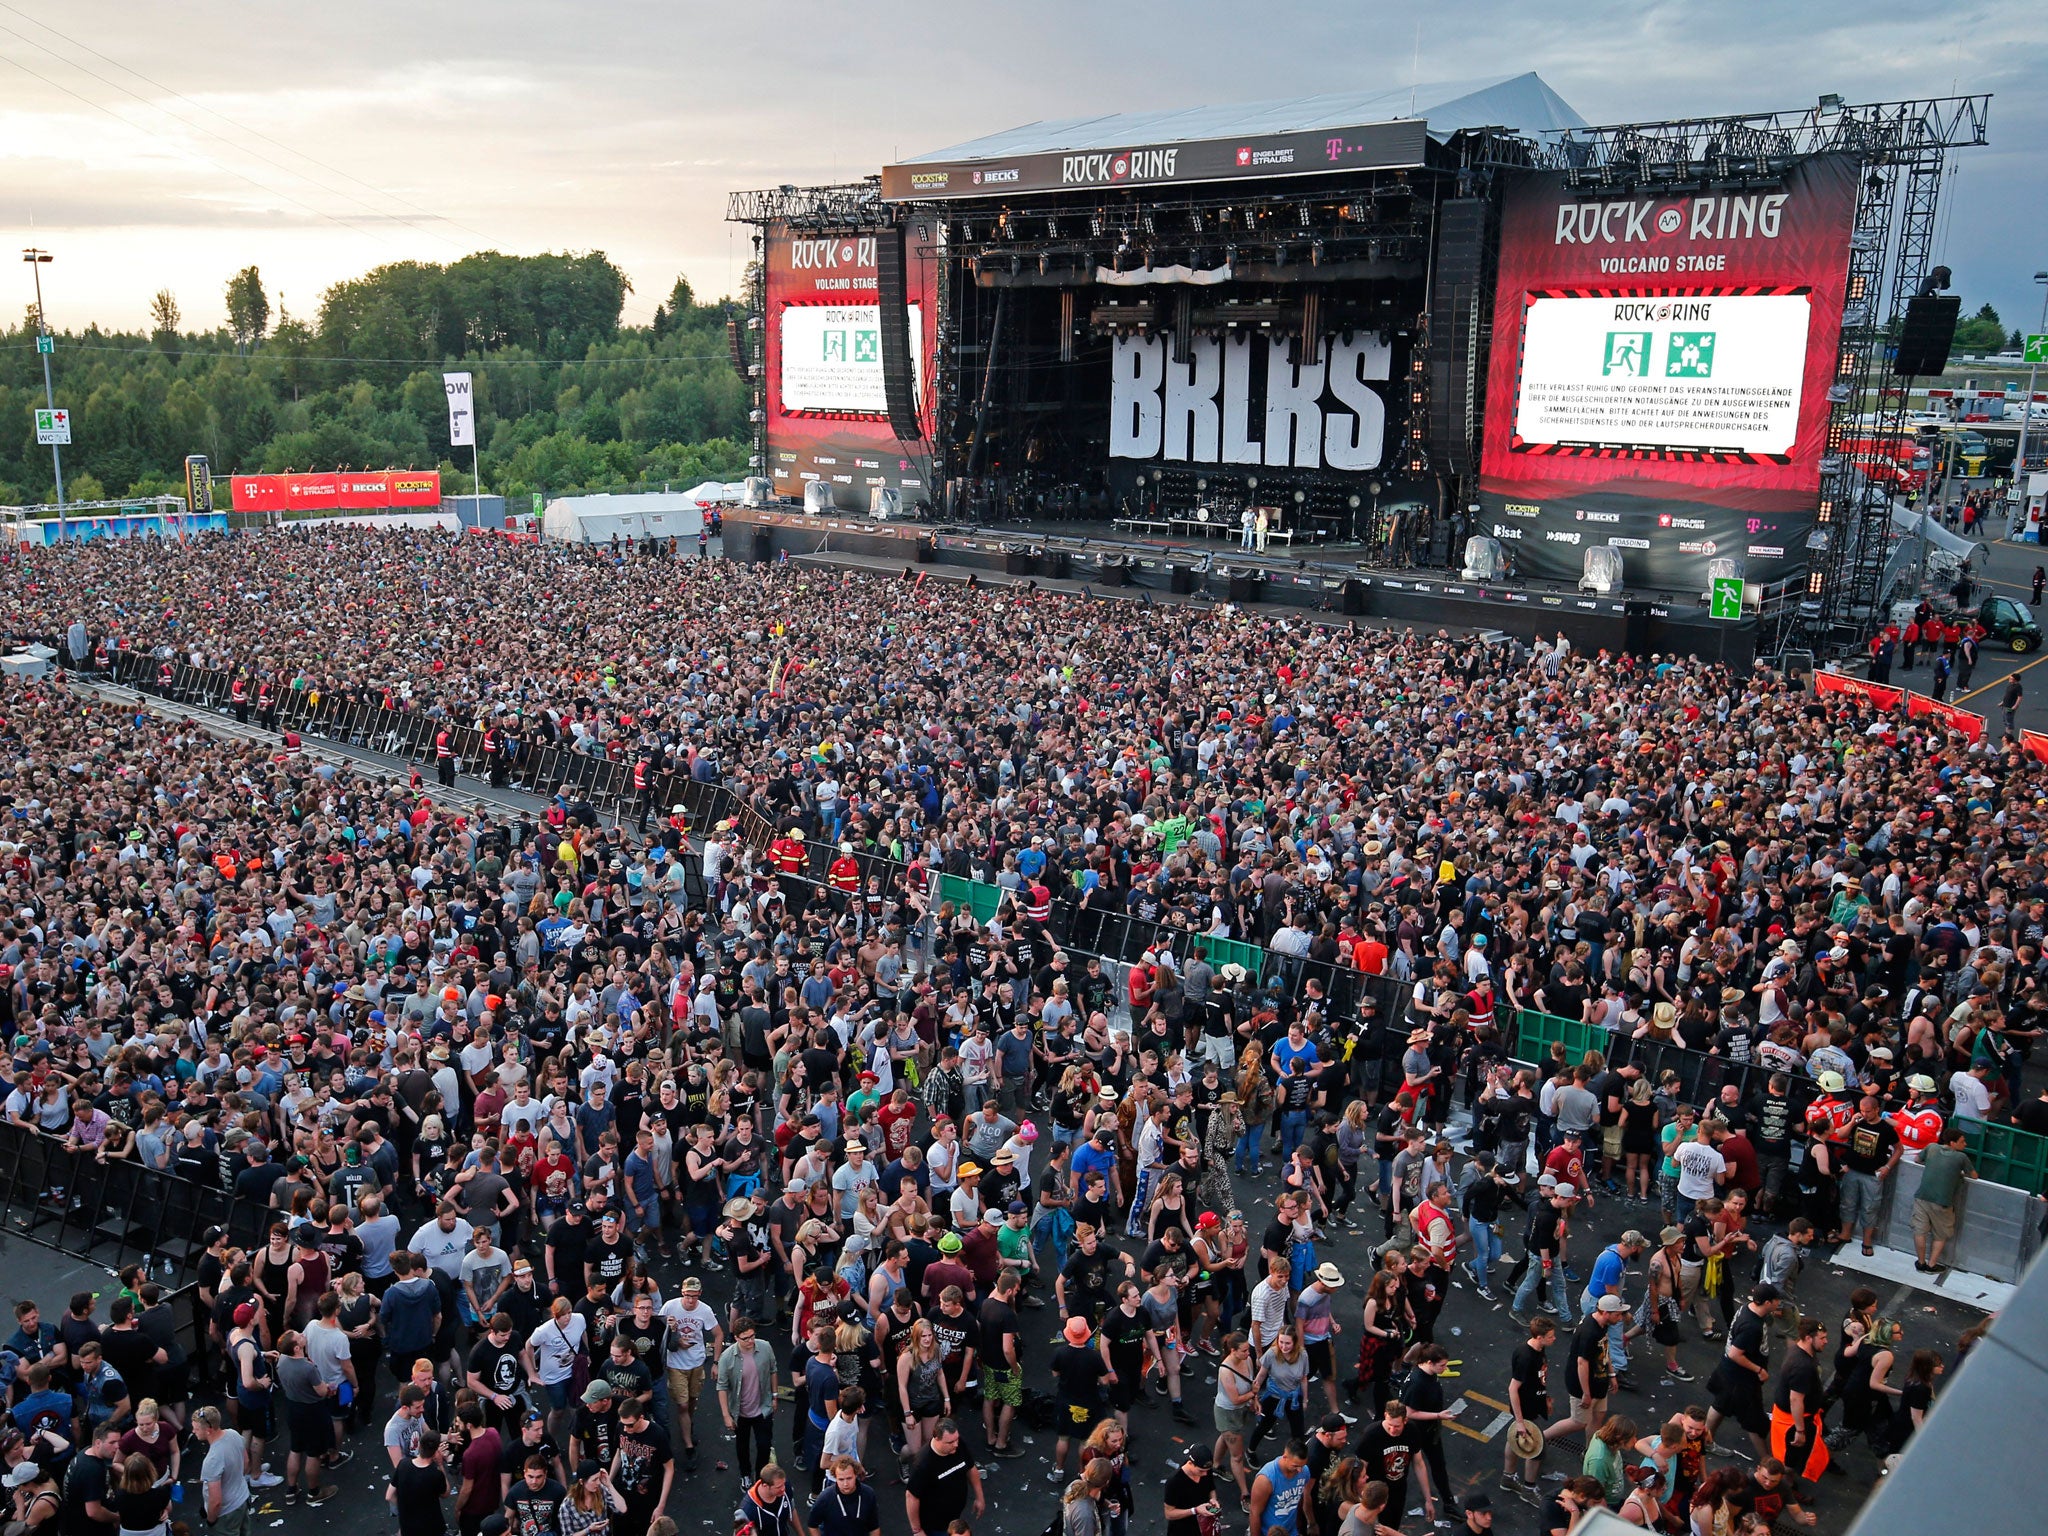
x=1156, y=534
x=1341, y=581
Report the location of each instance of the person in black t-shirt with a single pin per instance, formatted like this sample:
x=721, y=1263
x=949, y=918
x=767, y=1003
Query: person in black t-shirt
x=1796, y=1437
x=1080, y=1364
x=1002, y=1382
x=1591, y=1374
x=610, y=1257
x=1737, y=1385
x=944, y=1483
x=643, y=1470
x=1870, y=1150
x=1124, y=1329
x=418, y=1485
x=568, y=1249
x=496, y=1375
x=1084, y=1285
x=1388, y=1452
x=1190, y=1493
x=532, y=1502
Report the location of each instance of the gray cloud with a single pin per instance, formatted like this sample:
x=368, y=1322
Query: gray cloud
x=542, y=124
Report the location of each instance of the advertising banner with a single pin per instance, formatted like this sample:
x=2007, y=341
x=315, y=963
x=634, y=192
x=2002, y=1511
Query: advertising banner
x=827, y=415
x=1972, y=726
x=1659, y=375
x=349, y=490
x=1877, y=693
x=1370, y=146
x=2035, y=744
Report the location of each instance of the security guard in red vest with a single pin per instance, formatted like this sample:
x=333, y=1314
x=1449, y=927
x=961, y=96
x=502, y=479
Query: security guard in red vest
x=238, y=695
x=786, y=855
x=643, y=772
x=843, y=877
x=444, y=758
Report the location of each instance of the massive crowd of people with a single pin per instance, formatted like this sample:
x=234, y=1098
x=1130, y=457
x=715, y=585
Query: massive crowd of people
x=575, y=1189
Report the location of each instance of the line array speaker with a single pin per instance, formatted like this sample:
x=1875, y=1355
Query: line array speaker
x=1458, y=326
x=1926, y=335
x=899, y=379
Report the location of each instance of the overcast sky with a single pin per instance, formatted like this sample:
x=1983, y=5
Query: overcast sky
x=151, y=145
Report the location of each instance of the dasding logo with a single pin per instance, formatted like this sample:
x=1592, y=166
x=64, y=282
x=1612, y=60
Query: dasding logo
x=1118, y=165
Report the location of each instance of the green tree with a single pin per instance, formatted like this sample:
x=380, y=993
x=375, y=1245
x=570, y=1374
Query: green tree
x=248, y=308
x=569, y=398
x=163, y=319
x=1982, y=332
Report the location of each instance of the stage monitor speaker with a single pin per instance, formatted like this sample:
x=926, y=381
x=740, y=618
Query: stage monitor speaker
x=899, y=377
x=1458, y=322
x=760, y=490
x=818, y=496
x=884, y=503
x=1926, y=335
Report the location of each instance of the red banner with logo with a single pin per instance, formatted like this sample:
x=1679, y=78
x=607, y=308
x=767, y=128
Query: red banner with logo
x=2034, y=743
x=349, y=490
x=1970, y=725
x=1877, y=693
x=415, y=487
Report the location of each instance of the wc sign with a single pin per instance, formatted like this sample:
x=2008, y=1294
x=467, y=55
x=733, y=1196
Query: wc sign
x=461, y=392
x=53, y=427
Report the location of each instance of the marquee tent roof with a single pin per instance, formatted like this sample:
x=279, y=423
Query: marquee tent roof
x=1521, y=103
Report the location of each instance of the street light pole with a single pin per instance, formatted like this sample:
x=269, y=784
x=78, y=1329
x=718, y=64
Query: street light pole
x=37, y=260
x=2019, y=462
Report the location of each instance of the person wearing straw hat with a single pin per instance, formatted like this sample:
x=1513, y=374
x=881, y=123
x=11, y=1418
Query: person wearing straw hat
x=1314, y=1315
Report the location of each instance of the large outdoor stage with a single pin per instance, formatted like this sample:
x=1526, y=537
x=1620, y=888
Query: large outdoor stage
x=1407, y=333
x=1330, y=580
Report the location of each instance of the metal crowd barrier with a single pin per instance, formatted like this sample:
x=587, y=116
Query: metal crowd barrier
x=116, y=1212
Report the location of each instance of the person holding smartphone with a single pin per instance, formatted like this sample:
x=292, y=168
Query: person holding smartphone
x=1191, y=1493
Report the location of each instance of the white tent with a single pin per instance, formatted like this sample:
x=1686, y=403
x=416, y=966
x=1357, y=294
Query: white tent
x=634, y=515
x=717, y=493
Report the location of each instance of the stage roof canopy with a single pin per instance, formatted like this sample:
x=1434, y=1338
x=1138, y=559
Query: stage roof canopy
x=1340, y=130
x=1522, y=103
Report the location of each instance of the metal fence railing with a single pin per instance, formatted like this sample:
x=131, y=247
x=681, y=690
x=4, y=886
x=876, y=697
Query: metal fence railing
x=2003, y=1154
